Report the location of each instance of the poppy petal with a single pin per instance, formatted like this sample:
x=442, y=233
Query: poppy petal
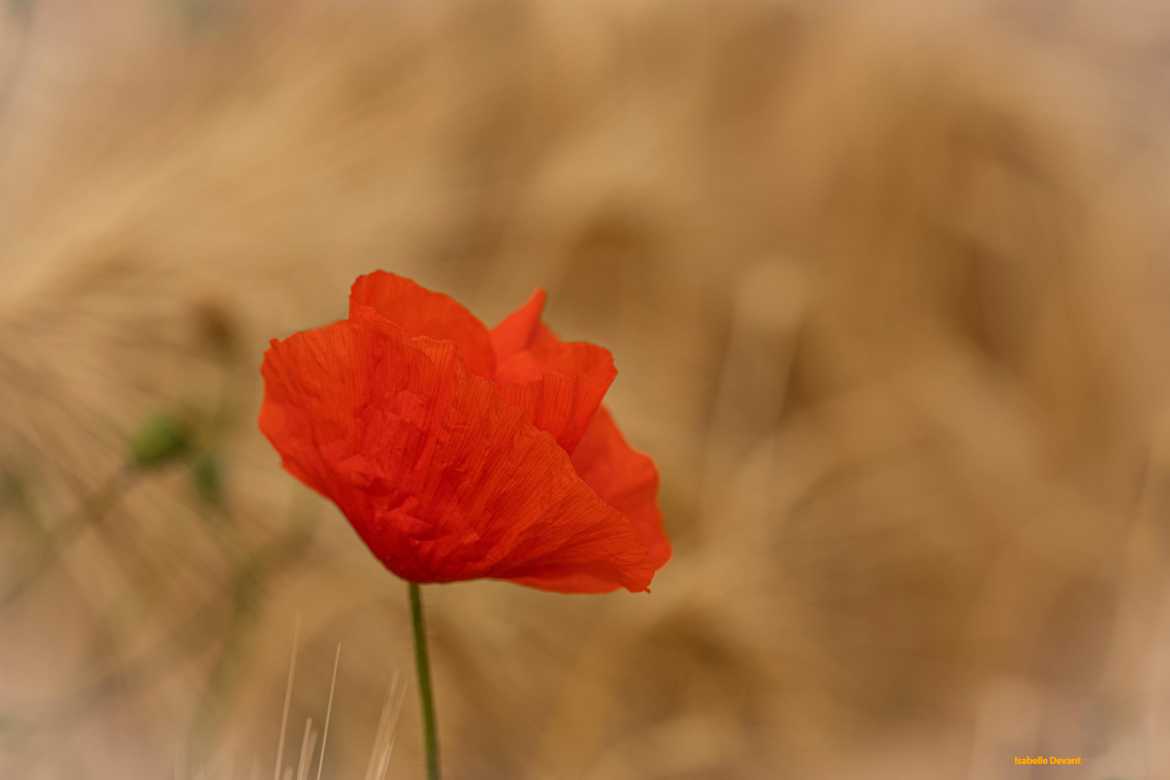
x=560, y=383
x=421, y=312
x=441, y=477
x=625, y=479
x=517, y=331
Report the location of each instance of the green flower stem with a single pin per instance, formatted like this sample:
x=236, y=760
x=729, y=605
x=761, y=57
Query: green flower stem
x=425, y=694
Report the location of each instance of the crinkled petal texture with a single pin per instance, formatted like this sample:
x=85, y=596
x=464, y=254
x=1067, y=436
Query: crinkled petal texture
x=448, y=474
x=625, y=479
x=420, y=312
x=561, y=384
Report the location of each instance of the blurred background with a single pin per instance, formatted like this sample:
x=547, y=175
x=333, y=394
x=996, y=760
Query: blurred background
x=887, y=285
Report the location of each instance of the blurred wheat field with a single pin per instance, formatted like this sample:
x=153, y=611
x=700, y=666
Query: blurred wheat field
x=887, y=288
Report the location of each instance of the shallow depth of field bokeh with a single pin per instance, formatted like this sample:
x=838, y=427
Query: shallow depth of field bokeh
x=888, y=289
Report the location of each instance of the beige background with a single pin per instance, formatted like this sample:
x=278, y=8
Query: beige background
x=888, y=293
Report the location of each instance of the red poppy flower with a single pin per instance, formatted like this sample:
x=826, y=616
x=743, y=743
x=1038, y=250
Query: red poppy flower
x=457, y=452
